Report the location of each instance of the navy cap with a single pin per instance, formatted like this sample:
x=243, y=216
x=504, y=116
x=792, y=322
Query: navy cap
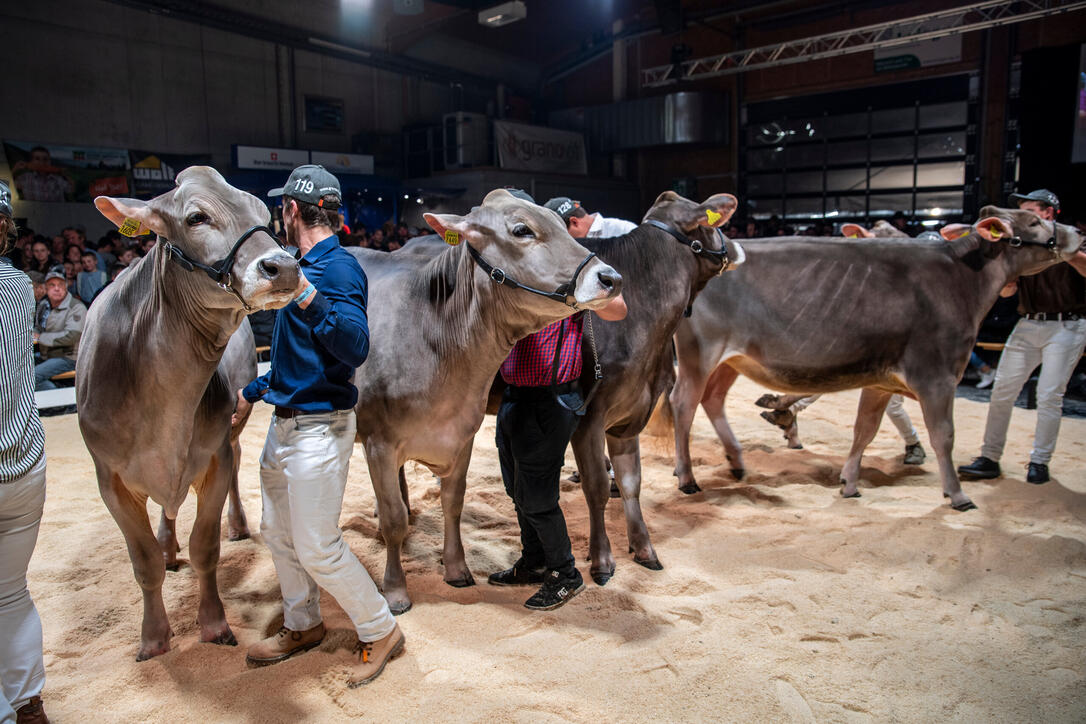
x=1042, y=195
x=5, y=199
x=521, y=194
x=312, y=184
x=563, y=206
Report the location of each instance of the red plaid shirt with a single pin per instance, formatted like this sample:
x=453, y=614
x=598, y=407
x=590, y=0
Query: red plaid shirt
x=530, y=362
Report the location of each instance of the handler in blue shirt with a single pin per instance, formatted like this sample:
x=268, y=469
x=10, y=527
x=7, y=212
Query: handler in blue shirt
x=318, y=341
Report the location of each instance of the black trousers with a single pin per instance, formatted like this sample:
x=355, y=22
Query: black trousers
x=533, y=432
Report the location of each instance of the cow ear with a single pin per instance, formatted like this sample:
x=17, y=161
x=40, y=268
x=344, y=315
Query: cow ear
x=993, y=228
x=950, y=232
x=451, y=228
x=717, y=209
x=133, y=217
x=855, y=231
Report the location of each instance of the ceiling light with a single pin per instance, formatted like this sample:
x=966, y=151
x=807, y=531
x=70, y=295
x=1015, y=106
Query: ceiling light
x=503, y=14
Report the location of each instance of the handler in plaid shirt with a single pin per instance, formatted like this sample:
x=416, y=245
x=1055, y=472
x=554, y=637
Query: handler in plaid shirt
x=533, y=431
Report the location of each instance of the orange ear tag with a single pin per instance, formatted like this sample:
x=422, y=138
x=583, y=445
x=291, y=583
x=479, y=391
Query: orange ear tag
x=452, y=238
x=712, y=216
x=129, y=228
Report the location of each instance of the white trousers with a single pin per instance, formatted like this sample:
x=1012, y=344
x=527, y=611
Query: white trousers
x=895, y=410
x=303, y=473
x=22, y=671
x=1057, y=347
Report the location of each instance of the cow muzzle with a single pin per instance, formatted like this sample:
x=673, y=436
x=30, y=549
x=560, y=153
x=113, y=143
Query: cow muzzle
x=221, y=272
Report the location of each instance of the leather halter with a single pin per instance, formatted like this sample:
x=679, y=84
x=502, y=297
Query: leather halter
x=1051, y=244
x=699, y=249
x=563, y=293
x=220, y=271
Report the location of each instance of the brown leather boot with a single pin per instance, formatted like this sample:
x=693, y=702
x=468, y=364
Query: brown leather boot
x=284, y=644
x=374, y=655
x=31, y=712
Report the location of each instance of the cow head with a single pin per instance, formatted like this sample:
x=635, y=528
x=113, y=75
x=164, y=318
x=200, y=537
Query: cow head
x=699, y=222
x=1038, y=243
x=204, y=218
x=529, y=244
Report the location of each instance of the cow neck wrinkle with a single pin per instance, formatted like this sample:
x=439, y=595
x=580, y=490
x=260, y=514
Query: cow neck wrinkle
x=175, y=306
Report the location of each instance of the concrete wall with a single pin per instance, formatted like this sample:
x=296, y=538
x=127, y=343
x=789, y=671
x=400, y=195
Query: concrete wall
x=86, y=72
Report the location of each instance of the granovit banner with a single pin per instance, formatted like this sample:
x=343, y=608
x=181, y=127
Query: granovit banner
x=537, y=148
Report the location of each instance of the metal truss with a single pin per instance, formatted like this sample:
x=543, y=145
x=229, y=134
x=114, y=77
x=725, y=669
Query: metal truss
x=956, y=21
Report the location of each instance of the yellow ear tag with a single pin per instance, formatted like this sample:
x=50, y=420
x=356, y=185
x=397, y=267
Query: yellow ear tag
x=130, y=227
x=996, y=233
x=452, y=238
x=854, y=236
x=712, y=216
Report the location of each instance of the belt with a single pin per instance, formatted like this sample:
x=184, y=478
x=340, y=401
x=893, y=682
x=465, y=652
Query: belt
x=287, y=412
x=1054, y=317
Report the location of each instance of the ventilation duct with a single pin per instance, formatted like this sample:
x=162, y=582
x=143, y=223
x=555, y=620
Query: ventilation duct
x=673, y=119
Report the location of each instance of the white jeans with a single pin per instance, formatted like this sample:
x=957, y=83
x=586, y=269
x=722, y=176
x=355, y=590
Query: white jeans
x=303, y=472
x=22, y=671
x=1056, y=346
x=895, y=410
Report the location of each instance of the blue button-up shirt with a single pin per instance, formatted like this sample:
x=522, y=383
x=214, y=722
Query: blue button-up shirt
x=315, y=351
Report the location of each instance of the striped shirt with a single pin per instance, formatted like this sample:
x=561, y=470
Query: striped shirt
x=22, y=439
x=530, y=362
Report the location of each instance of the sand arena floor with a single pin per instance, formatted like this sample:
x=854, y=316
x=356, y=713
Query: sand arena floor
x=779, y=601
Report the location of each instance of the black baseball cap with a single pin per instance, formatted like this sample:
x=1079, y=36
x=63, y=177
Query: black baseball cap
x=312, y=184
x=563, y=206
x=1042, y=195
x=5, y=199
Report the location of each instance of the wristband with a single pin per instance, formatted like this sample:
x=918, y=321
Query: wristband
x=309, y=291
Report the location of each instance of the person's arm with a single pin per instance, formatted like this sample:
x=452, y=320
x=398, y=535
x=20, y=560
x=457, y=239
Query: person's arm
x=73, y=329
x=337, y=313
x=614, y=311
x=1078, y=261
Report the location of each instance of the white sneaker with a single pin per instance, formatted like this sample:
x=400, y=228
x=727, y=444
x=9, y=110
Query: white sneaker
x=986, y=379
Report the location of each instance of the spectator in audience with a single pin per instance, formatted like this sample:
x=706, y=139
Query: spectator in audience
x=41, y=260
x=58, y=245
x=91, y=279
x=582, y=224
x=20, y=250
x=114, y=272
x=38, y=280
x=73, y=253
x=106, y=247
x=58, y=324
x=147, y=243
x=127, y=256
x=751, y=231
x=377, y=240
x=71, y=274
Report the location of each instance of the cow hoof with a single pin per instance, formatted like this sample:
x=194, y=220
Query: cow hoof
x=151, y=650
x=399, y=607
x=615, y=492
x=653, y=564
x=964, y=506
x=690, y=488
x=738, y=473
x=602, y=577
x=236, y=535
x=175, y=566
x=223, y=638
x=846, y=493
x=464, y=582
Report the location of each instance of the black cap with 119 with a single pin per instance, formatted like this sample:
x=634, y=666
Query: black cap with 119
x=312, y=184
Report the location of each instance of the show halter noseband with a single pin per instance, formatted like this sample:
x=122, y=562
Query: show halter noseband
x=221, y=271
x=1051, y=244
x=563, y=294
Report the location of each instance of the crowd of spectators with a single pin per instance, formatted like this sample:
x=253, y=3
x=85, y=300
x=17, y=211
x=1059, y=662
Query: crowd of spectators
x=388, y=237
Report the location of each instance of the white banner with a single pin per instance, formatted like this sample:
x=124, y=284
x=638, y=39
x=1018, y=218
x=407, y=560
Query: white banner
x=537, y=148
x=260, y=157
x=343, y=162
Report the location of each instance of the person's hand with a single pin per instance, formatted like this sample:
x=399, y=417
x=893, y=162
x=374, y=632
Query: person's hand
x=614, y=311
x=303, y=283
x=34, y=336
x=241, y=409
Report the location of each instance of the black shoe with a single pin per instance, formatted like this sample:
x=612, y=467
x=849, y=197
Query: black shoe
x=1037, y=473
x=556, y=590
x=519, y=575
x=982, y=468
x=914, y=454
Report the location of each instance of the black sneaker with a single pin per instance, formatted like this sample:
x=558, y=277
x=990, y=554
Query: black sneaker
x=556, y=590
x=519, y=575
x=982, y=468
x=1037, y=473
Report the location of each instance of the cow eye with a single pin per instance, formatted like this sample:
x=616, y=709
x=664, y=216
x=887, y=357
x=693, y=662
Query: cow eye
x=522, y=230
x=196, y=218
